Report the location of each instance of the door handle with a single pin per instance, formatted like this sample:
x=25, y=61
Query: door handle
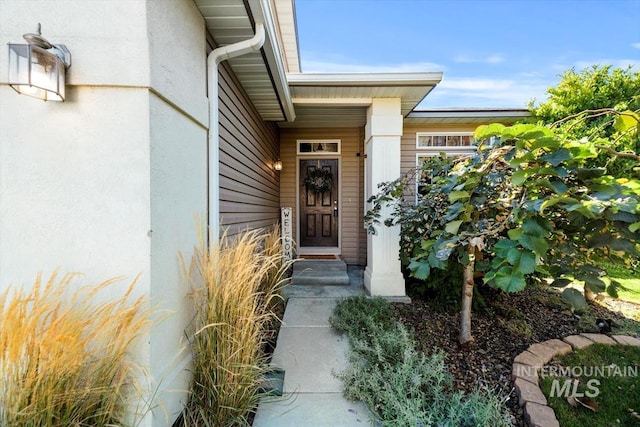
x=335, y=212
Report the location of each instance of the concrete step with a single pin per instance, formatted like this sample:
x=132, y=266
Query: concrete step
x=313, y=272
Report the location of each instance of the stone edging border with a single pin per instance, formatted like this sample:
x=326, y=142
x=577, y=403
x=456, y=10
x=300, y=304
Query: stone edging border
x=527, y=364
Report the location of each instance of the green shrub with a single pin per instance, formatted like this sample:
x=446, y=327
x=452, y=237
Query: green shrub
x=400, y=385
x=354, y=316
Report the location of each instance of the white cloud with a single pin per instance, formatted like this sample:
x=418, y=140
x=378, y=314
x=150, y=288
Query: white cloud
x=491, y=59
x=486, y=93
x=636, y=45
x=320, y=66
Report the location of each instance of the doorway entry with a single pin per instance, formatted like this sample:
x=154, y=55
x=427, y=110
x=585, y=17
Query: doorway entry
x=319, y=203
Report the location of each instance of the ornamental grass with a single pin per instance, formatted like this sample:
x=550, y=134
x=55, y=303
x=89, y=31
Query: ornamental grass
x=236, y=285
x=64, y=356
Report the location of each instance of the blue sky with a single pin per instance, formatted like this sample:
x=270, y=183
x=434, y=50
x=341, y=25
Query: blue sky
x=499, y=53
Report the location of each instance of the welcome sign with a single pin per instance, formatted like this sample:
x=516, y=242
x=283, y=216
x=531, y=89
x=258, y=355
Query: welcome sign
x=287, y=239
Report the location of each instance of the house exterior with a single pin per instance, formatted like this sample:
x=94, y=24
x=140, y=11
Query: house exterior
x=156, y=130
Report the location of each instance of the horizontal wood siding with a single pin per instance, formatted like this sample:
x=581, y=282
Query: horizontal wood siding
x=249, y=187
x=353, y=236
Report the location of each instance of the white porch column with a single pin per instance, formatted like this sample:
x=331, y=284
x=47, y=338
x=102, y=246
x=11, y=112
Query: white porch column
x=383, y=275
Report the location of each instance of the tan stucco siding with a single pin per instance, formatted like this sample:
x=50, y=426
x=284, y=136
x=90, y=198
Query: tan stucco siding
x=352, y=235
x=249, y=187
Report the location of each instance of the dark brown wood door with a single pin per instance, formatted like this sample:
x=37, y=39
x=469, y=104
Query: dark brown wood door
x=319, y=211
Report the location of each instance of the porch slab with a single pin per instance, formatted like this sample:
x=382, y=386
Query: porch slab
x=310, y=357
x=312, y=409
x=325, y=273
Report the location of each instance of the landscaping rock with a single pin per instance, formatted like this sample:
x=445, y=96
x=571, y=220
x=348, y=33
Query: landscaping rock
x=599, y=338
x=577, y=341
x=526, y=372
x=542, y=351
x=529, y=392
x=540, y=415
x=561, y=348
x=528, y=358
x=627, y=340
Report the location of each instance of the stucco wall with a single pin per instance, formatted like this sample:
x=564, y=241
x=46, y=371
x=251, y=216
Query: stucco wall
x=108, y=182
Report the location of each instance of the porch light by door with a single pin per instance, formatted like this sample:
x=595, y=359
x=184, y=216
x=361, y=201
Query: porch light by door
x=277, y=165
x=38, y=69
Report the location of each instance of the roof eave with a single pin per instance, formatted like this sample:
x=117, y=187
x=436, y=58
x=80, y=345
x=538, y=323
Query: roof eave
x=261, y=11
x=364, y=79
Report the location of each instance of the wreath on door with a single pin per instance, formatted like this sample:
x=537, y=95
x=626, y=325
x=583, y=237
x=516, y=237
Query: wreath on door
x=319, y=180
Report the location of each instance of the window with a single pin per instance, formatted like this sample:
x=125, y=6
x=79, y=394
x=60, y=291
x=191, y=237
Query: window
x=319, y=146
x=432, y=144
x=439, y=140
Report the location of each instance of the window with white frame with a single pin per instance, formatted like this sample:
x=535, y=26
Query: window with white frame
x=319, y=146
x=440, y=140
x=432, y=144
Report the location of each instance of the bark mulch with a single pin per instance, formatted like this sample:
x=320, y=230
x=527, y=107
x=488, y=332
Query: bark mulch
x=508, y=325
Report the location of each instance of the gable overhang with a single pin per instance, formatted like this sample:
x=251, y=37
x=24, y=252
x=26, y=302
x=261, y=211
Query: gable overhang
x=460, y=116
x=262, y=74
x=342, y=99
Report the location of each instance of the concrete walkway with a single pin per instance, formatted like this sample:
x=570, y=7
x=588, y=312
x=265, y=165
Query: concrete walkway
x=310, y=352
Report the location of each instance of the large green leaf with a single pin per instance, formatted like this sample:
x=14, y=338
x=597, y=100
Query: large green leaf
x=515, y=233
x=419, y=269
x=519, y=177
x=534, y=227
x=593, y=282
x=626, y=120
x=575, y=298
x=527, y=264
x=590, y=173
x=536, y=244
x=557, y=157
x=453, y=226
x=561, y=283
x=509, y=280
x=458, y=195
x=545, y=142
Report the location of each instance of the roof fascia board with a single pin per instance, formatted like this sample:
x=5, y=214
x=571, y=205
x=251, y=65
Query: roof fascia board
x=262, y=13
x=351, y=102
x=450, y=114
x=364, y=79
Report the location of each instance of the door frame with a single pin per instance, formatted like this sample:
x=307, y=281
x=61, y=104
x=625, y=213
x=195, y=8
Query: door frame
x=319, y=250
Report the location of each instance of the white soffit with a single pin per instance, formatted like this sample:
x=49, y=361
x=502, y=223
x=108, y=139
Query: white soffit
x=261, y=74
x=466, y=116
x=286, y=22
x=317, y=92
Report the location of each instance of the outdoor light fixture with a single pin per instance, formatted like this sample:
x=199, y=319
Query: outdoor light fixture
x=277, y=165
x=38, y=68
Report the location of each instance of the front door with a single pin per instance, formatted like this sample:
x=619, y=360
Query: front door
x=319, y=202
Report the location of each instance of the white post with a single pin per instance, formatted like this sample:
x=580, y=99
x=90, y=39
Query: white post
x=383, y=275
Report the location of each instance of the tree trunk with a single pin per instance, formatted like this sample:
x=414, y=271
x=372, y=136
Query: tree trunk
x=588, y=294
x=467, y=298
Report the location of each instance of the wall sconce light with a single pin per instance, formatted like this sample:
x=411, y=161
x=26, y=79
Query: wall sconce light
x=38, y=68
x=277, y=165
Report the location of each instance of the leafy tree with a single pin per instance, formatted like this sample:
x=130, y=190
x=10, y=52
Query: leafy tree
x=530, y=205
x=584, y=105
x=590, y=89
